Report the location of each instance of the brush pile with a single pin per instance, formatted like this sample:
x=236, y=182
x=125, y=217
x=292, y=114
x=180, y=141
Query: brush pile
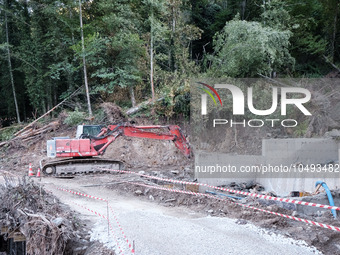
x=31, y=134
x=28, y=209
x=114, y=114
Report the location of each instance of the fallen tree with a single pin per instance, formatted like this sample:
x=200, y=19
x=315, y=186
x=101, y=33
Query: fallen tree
x=140, y=106
x=33, y=133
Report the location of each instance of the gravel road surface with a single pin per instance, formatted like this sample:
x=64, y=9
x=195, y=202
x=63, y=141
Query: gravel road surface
x=159, y=230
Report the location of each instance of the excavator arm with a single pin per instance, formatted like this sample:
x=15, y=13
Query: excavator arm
x=171, y=133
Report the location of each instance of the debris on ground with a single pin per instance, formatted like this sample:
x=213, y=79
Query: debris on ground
x=114, y=114
x=48, y=228
x=250, y=186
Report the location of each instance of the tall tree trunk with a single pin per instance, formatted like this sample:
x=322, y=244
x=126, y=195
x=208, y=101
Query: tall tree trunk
x=244, y=4
x=264, y=10
x=84, y=61
x=72, y=34
x=225, y=4
x=11, y=71
x=133, y=99
x=334, y=32
x=151, y=60
x=173, y=65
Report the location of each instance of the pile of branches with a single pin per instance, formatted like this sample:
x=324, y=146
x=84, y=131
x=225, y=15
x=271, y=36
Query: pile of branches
x=27, y=208
x=114, y=114
x=32, y=133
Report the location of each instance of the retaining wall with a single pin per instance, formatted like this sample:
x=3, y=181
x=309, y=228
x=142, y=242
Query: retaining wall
x=286, y=152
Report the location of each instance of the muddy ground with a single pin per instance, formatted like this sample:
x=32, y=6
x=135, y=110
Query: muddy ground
x=160, y=158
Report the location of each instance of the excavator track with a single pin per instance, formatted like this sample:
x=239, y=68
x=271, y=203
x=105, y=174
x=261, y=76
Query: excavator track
x=73, y=166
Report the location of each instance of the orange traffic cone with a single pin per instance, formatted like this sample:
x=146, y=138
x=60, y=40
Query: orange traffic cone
x=38, y=173
x=30, y=171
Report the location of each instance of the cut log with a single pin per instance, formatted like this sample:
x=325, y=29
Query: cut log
x=32, y=134
x=140, y=106
x=19, y=237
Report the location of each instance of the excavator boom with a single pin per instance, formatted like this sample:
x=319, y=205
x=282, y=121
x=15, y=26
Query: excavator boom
x=171, y=132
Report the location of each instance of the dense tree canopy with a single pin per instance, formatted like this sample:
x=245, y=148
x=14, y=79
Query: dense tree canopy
x=133, y=45
x=246, y=49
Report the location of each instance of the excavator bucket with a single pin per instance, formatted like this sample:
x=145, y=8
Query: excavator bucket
x=180, y=141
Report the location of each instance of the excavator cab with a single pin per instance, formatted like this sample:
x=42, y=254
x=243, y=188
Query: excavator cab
x=92, y=130
x=82, y=130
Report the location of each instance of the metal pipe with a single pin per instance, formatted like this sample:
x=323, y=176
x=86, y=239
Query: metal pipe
x=329, y=195
x=221, y=194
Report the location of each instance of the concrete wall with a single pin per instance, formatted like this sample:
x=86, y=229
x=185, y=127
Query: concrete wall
x=275, y=152
x=294, y=151
x=302, y=150
x=203, y=159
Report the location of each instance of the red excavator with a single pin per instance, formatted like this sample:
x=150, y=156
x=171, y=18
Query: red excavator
x=80, y=152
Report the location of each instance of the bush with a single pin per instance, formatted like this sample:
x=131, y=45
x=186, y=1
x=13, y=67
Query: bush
x=7, y=132
x=75, y=118
x=176, y=100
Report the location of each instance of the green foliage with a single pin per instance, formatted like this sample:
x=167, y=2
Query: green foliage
x=8, y=132
x=114, y=52
x=307, y=20
x=176, y=100
x=301, y=129
x=275, y=15
x=75, y=118
x=246, y=49
x=190, y=38
x=99, y=116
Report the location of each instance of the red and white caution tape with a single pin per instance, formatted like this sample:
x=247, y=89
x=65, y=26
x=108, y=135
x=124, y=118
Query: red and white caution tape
x=230, y=190
x=114, y=215
x=122, y=231
x=81, y=194
x=248, y=206
x=295, y=218
x=174, y=190
x=104, y=217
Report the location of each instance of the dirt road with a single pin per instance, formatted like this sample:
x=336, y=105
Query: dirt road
x=156, y=229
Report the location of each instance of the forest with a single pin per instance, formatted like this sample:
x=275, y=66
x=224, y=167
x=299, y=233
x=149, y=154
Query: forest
x=130, y=51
